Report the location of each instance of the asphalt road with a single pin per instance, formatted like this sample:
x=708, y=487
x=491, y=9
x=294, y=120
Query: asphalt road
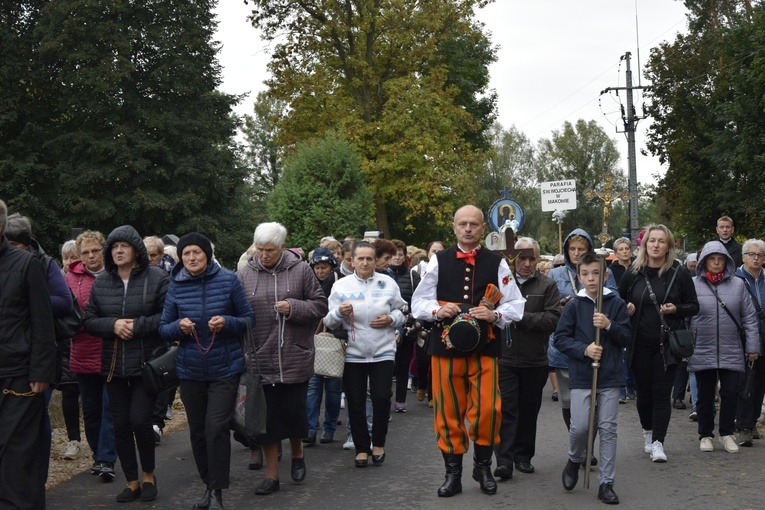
x=413, y=470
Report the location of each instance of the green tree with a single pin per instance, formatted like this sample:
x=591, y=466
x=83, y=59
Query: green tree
x=321, y=192
x=25, y=178
x=511, y=164
x=404, y=80
x=135, y=130
x=585, y=153
x=262, y=155
x=707, y=99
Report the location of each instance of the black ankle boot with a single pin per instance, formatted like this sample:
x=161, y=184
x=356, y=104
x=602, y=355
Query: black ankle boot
x=204, y=502
x=482, y=469
x=216, y=500
x=453, y=479
x=570, y=475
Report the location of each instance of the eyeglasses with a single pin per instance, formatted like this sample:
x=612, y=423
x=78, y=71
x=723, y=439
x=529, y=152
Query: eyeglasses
x=755, y=255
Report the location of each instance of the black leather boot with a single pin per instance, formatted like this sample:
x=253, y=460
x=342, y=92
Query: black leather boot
x=216, y=500
x=453, y=479
x=482, y=469
x=570, y=475
x=204, y=502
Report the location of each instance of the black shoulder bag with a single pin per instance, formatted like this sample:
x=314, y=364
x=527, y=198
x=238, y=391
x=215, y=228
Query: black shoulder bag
x=159, y=372
x=681, y=341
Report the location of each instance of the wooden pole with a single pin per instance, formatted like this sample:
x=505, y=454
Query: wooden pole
x=560, y=237
x=595, y=367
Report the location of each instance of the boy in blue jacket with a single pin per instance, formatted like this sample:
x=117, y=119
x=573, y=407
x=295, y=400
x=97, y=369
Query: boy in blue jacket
x=575, y=337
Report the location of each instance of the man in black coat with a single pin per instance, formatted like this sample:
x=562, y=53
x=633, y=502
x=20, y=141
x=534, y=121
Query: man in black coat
x=523, y=365
x=725, y=230
x=27, y=368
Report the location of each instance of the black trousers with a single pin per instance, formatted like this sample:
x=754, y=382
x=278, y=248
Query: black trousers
x=164, y=399
x=521, y=390
x=70, y=406
x=706, y=380
x=681, y=383
x=21, y=420
x=132, y=407
x=208, y=410
x=654, y=390
x=748, y=410
x=403, y=359
x=424, y=381
x=380, y=377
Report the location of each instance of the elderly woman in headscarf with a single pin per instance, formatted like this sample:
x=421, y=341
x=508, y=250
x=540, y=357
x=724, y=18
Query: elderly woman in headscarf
x=288, y=302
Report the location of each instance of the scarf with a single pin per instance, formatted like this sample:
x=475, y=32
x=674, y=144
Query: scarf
x=469, y=255
x=714, y=279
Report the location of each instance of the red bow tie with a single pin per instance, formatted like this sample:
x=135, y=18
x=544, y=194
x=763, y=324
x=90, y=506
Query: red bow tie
x=470, y=256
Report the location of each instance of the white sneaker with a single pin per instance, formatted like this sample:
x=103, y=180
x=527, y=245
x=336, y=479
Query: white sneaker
x=648, y=438
x=729, y=443
x=72, y=450
x=348, y=445
x=342, y=400
x=706, y=444
x=657, y=452
x=157, y=434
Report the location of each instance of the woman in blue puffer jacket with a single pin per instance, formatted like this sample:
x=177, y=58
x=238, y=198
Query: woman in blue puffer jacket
x=207, y=311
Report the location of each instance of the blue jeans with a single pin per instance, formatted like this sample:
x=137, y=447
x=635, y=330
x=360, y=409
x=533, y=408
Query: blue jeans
x=694, y=389
x=97, y=416
x=317, y=385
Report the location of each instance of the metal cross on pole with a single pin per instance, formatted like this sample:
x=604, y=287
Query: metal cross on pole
x=608, y=196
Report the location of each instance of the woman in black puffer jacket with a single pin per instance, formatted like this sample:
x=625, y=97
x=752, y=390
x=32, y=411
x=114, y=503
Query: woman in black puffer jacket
x=124, y=309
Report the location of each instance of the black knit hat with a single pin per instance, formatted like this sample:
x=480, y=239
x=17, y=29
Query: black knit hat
x=196, y=239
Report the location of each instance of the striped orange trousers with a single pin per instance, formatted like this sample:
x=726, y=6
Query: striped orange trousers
x=466, y=389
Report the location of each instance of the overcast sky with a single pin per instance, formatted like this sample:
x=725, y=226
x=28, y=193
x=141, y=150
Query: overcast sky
x=555, y=57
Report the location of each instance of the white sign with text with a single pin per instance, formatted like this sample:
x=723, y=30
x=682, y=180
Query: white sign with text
x=558, y=195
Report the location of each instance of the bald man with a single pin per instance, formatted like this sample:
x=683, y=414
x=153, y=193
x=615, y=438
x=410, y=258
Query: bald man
x=466, y=380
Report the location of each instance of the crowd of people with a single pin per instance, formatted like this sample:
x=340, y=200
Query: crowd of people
x=474, y=336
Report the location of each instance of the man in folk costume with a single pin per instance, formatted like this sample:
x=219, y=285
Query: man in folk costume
x=470, y=294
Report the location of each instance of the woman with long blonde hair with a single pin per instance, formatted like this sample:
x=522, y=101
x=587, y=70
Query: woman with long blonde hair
x=657, y=286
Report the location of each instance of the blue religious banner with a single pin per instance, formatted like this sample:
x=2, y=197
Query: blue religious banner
x=506, y=212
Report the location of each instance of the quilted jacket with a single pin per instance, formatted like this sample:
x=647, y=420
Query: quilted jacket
x=110, y=300
x=284, y=345
x=85, y=355
x=718, y=344
x=217, y=291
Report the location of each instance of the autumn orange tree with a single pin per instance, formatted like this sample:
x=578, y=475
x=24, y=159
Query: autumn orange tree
x=405, y=82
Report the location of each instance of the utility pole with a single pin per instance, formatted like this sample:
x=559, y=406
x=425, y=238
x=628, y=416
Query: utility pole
x=630, y=123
